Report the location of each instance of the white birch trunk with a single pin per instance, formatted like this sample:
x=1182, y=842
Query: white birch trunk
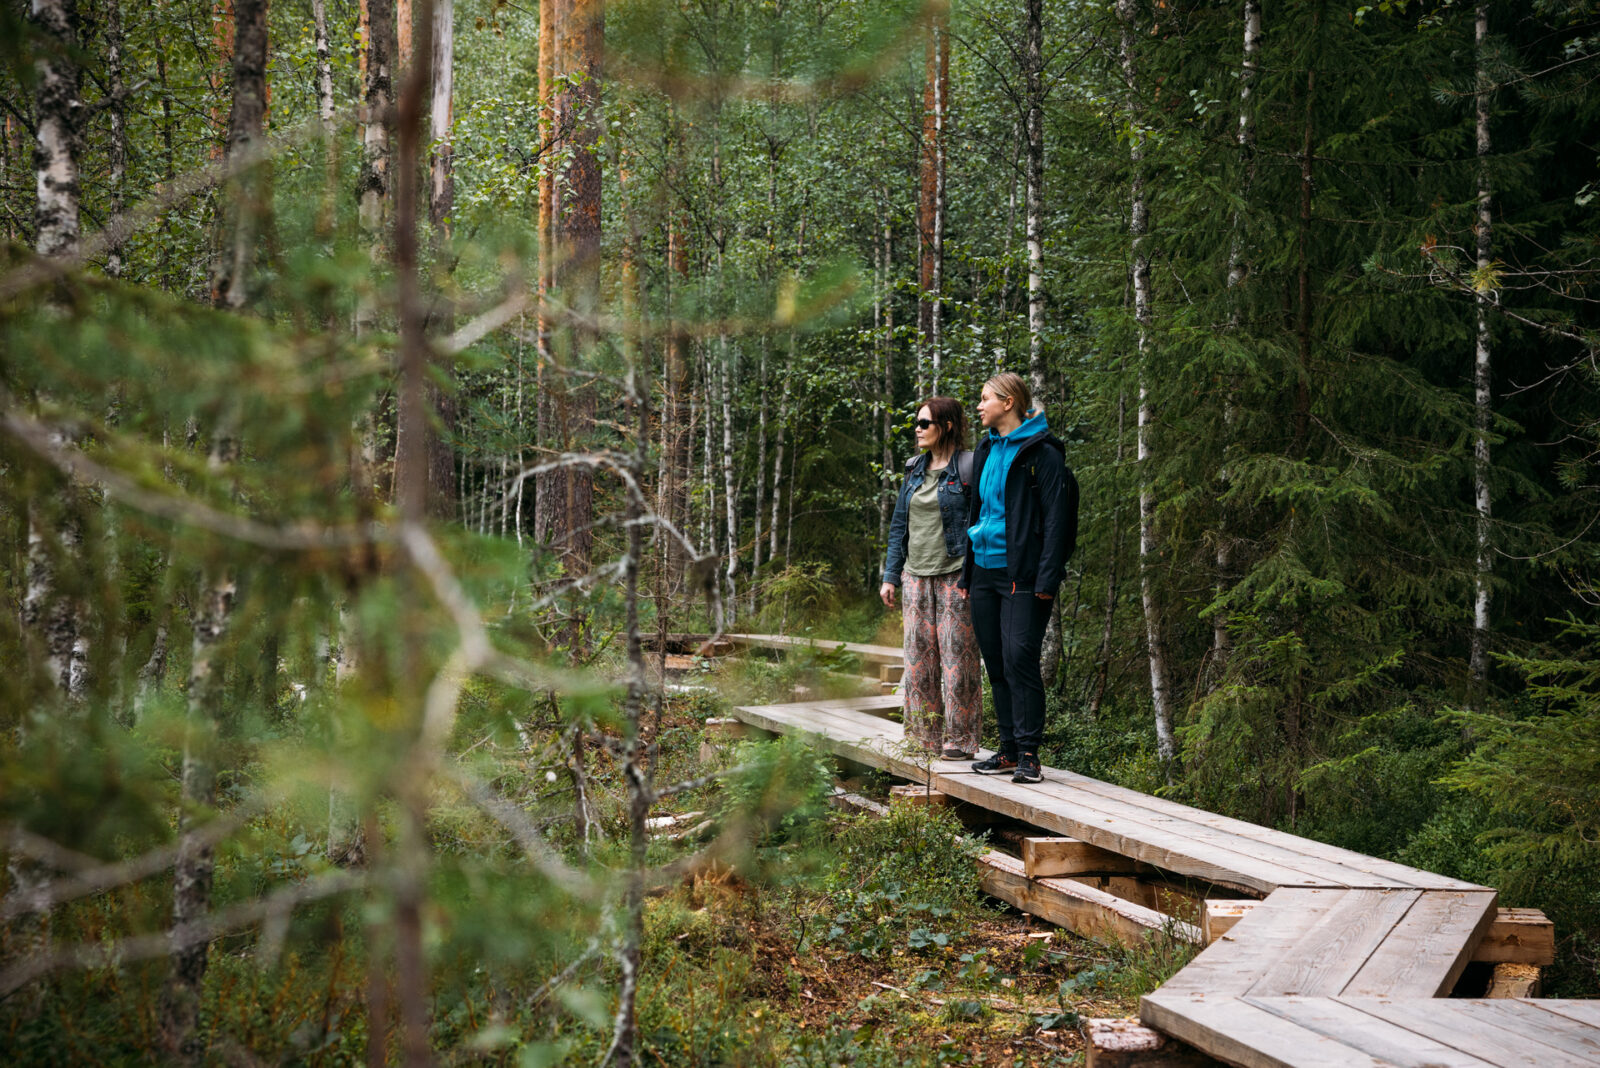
x=729, y=496
x=777, y=459
x=941, y=122
x=118, y=150
x=319, y=20
x=1149, y=541
x=761, y=472
x=58, y=105
x=1482, y=397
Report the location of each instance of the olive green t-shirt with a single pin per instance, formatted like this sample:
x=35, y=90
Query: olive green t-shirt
x=925, y=555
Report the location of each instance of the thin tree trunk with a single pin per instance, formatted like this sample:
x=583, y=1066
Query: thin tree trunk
x=118, y=148
x=1034, y=63
x=372, y=188
x=761, y=471
x=930, y=202
x=441, y=205
x=1103, y=667
x=1302, y=402
x=777, y=456
x=319, y=20
x=1238, y=270
x=244, y=212
x=1483, y=411
x=679, y=416
x=726, y=378
x=881, y=297
x=192, y=871
x=1149, y=538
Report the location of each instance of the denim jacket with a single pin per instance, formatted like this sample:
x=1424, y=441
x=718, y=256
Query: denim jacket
x=952, y=509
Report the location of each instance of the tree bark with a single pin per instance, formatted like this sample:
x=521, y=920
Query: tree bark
x=117, y=154
x=1033, y=57
x=1483, y=411
x=319, y=20
x=1238, y=270
x=192, y=871
x=244, y=212
x=58, y=106
x=930, y=198
x=564, y=509
x=1150, y=547
x=377, y=91
x=441, y=204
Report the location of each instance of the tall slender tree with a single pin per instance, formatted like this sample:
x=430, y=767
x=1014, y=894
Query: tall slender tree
x=931, y=199
x=1483, y=400
x=1161, y=695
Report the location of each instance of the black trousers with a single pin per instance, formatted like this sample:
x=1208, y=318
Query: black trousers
x=1010, y=623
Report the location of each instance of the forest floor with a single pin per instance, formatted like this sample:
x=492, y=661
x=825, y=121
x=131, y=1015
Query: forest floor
x=883, y=952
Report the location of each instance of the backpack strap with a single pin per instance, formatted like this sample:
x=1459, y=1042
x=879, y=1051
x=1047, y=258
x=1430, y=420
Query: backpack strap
x=964, y=469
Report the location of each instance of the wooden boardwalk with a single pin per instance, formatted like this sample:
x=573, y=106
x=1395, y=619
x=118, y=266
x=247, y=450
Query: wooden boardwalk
x=1346, y=959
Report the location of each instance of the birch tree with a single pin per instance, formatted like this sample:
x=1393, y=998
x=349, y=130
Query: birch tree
x=931, y=200
x=1483, y=410
x=1149, y=537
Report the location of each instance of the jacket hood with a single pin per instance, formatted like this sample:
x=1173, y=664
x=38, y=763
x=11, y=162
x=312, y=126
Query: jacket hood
x=1032, y=427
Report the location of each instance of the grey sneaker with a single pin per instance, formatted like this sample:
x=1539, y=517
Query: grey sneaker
x=998, y=764
x=1027, y=769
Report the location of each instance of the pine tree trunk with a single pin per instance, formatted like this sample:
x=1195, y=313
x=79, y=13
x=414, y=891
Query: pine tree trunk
x=1034, y=86
x=243, y=210
x=1478, y=661
x=930, y=200
x=1150, y=547
x=564, y=509
x=377, y=91
x=678, y=420
x=441, y=204
x=881, y=296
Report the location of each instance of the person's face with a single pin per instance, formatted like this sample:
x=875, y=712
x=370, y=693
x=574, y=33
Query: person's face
x=927, y=437
x=991, y=409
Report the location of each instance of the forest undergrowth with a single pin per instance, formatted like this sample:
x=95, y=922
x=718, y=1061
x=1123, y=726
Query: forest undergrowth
x=824, y=939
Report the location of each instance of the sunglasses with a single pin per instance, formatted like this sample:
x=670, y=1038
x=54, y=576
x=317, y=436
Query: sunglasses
x=923, y=424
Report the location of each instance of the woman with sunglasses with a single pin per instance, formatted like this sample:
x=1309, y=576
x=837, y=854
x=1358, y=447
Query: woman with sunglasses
x=1023, y=526
x=927, y=544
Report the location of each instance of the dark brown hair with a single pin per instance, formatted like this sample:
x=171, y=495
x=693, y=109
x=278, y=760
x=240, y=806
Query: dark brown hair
x=951, y=419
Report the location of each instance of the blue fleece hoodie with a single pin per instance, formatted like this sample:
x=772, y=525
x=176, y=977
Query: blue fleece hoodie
x=989, y=533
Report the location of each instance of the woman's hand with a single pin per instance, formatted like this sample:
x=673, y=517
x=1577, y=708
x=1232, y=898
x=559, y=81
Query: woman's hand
x=886, y=593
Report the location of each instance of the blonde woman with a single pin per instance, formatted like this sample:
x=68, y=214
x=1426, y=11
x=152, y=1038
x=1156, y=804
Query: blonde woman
x=1023, y=525
x=927, y=547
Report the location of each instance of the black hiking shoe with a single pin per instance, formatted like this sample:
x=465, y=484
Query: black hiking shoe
x=1027, y=769
x=998, y=764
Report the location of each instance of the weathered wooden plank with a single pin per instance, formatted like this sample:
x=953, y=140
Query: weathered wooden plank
x=1523, y=1017
x=871, y=654
x=880, y=751
x=1325, y=958
x=1428, y=949
x=1072, y=856
x=1127, y=1043
x=1464, y=1026
x=1232, y=964
x=1585, y=1012
x=1367, y=871
x=1294, y=869
x=1241, y=1034
x=1162, y=846
x=1518, y=936
x=1218, y=915
x=1389, y=1042
x=1083, y=909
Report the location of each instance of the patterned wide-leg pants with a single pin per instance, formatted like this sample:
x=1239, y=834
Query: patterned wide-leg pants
x=943, y=682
